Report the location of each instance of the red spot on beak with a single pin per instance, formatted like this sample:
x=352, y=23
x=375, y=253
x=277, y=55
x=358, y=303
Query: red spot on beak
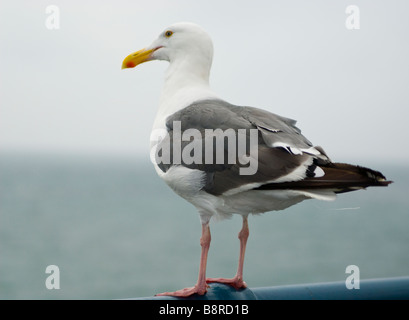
x=130, y=64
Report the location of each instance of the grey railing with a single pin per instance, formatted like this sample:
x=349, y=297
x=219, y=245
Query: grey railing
x=375, y=289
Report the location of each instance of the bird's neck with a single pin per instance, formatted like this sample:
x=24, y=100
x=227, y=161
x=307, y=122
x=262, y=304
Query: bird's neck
x=185, y=82
x=188, y=71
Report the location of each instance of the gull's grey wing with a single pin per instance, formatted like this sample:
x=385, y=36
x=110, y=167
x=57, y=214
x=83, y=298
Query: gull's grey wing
x=283, y=153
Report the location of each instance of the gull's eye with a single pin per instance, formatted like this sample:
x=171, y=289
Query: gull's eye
x=168, y=34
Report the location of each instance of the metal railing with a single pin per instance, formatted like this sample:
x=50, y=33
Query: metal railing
x=375, y=289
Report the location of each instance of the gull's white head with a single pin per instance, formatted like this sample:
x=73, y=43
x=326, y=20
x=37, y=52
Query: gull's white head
x=178, y=42
x=182, y=43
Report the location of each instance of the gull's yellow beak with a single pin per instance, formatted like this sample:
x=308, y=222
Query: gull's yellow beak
x=137, y=57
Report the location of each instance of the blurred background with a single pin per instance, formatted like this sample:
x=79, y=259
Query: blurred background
x=77, y=188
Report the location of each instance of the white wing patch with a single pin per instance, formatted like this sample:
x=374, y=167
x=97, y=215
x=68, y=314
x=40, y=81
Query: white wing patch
x=298, y=151
x=296, y=175
x=312, y=151
x=287, y=147
x=319, y=172
x=269, y=129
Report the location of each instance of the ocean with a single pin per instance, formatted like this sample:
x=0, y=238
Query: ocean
x=115, y=230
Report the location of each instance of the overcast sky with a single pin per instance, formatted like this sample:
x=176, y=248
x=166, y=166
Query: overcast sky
x=63, y=90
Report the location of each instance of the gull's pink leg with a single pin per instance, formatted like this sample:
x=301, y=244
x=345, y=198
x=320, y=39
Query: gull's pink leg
x=201, y=286
x=237, y=282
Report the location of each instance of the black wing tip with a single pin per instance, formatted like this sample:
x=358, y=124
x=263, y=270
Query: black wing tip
x=375, y=176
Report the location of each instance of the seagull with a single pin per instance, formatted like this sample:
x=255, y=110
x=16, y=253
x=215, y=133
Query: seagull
x=227, y=159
